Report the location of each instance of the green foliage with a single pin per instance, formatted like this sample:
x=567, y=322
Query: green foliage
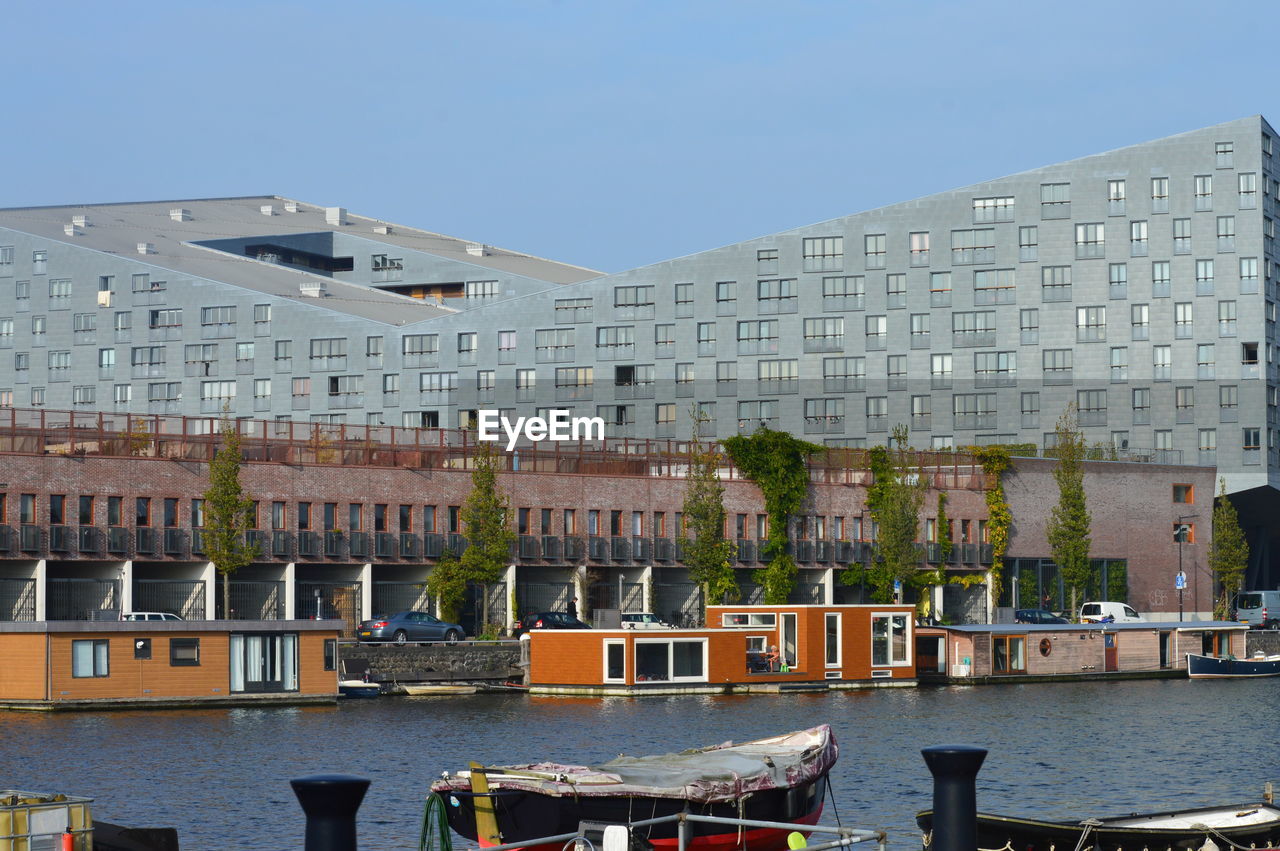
x=778, y=463
x=707, y=554
x=448, y=584
x=1069, y=523
x=995, y=460
x=894, y=500
x=484, y=522
x=1229, y=553
x=228, y=513
x=944, y=528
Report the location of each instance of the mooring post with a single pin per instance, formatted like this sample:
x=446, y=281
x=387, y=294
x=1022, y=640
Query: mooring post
x=955, y=802
x=330, y=802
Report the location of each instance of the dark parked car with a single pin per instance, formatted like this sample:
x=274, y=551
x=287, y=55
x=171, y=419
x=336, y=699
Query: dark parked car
x=548, y=620
x=1037, y=616
x=408, y=626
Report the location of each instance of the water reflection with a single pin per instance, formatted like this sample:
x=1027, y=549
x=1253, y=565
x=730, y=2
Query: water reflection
x=1057, y=750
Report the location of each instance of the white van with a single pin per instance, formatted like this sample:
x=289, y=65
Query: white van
x=1259, y=609
x=1110, y=612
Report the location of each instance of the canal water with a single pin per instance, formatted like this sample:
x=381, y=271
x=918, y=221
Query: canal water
x=1060, y=750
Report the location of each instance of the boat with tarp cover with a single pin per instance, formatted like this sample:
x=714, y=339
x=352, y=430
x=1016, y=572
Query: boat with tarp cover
x=778, y=779
x=1223, y=828
x=1257, y=665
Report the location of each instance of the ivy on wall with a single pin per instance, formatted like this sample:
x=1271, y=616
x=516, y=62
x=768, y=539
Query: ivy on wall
x=995, y=461
x=777, y=463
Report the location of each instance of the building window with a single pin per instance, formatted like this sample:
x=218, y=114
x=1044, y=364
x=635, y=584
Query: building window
x=1118, y=280
x=1091, y=324
x=684, y=301
x=706, y=338
x=1182, y=236
x=1058, y=365
x=1248, y=189
x=823, y=254
x=572, y=310
x=1055, y=283
x=1115, y=197
x=890, y=638
x=90, y=658
x=973, y=246
x=895, y=291
x=824, y=334
x=844, y=293
x=986, y=210
x=1183, y=320
x=1226, y=233
x=1119, y=364
x=1204, y=277
x=874, y=249
x=776, y=296
x=1248, y=275
x=940, y=371
x=1137, y=239
x=183, y=652
x=1159, y=194
x=1162, y=363
x=1226, y=319
x=1029, y=325
x=1028, y=243
x=1055, y=200
x=1161, y=280
x=1224, y=154
x=757, y=337
x=1090, y=241
x=1204, y=192
x=920, y=248
x=553, y=345
x=940, y=289
x=767, y=261
x=992, y=286
x=329, y=353
x=877, y=328
x=634, y=302
x=844, y=375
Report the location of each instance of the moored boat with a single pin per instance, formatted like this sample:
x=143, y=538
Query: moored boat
x=440, y=689
x=1238, y=826
x=1258, y=665
x=358, y=688
x=778, y=779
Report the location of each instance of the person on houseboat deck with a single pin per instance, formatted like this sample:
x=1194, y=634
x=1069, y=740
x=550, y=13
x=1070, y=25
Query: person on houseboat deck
x=771, y=657
x=572, y=608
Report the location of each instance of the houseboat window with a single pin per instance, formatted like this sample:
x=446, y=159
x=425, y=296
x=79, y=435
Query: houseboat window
x=756, y=643
x=665, y=660
x=90, y=658
x=1008, y=654
x=184, y=651
x=615, y=661
x=142, y=648
x=264, y=663
x=833, y=639
x=889, y=640
x=748, y=619
x=331, y=654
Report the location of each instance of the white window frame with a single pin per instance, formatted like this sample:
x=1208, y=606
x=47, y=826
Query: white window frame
x=753, y=620
x=838, y=661
x=670, y=644
x=604, y=660
x=888, y=618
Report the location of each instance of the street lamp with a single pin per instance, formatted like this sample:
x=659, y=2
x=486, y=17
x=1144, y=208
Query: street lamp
x=1181, y=537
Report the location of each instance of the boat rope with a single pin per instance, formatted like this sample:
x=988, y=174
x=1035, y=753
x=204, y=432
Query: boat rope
x=1006, y=847
x=742, y=815
x=1089, y=824
x=1210, y=829
x=828, y=795
x=435, y=834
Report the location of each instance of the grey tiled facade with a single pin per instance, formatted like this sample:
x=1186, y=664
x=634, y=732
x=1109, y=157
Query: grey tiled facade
x=1138, y=284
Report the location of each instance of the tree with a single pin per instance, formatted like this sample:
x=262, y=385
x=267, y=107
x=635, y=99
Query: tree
x=485, y=522
x=707, y=554
x=778, y=463
x=1069, y=522
x=894, y=500
x=448, y=585
x=228, y=514
x=1229, y=553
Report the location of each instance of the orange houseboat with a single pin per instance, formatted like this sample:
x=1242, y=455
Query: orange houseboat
x=757, y=648
x=162, y=664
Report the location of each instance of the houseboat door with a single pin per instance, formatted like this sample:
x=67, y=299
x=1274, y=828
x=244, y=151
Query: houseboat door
x=789, y=632
x=1111, y=651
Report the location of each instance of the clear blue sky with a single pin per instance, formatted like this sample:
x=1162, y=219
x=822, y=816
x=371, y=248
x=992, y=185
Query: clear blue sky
x=608, y=134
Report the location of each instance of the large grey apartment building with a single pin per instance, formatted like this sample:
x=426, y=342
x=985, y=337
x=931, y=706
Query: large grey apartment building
x=1139, y=284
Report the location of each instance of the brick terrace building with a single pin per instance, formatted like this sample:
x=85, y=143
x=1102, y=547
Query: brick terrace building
x=103, y=513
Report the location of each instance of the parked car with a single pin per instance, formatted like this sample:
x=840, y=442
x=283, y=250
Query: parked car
x=643, y=620
x=408, y=626
x=149, y=616
x=548, y=620
x=1109, y=613
x=1037, y=616
x=1259, y=609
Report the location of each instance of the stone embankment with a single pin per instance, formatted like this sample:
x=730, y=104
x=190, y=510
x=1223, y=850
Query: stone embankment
x=495, y=661
x=1266, y=640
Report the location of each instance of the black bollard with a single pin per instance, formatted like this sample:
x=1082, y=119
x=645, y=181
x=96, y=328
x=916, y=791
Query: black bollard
x=330, y=802
x=955, y=802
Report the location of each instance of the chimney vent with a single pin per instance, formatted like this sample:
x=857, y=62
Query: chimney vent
x=146, y=248
x=385, y=230
x=71, y=230
x=291, y=206
x=179, y=214
x=312, y=287
x=80, y=221
x=267, y=210
x=477, y=249
x=335, y=216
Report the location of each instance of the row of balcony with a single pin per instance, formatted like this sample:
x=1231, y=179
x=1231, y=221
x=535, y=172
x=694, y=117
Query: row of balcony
x=127, y=542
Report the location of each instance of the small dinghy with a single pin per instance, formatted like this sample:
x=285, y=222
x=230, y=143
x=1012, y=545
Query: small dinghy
x=1223, y=828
